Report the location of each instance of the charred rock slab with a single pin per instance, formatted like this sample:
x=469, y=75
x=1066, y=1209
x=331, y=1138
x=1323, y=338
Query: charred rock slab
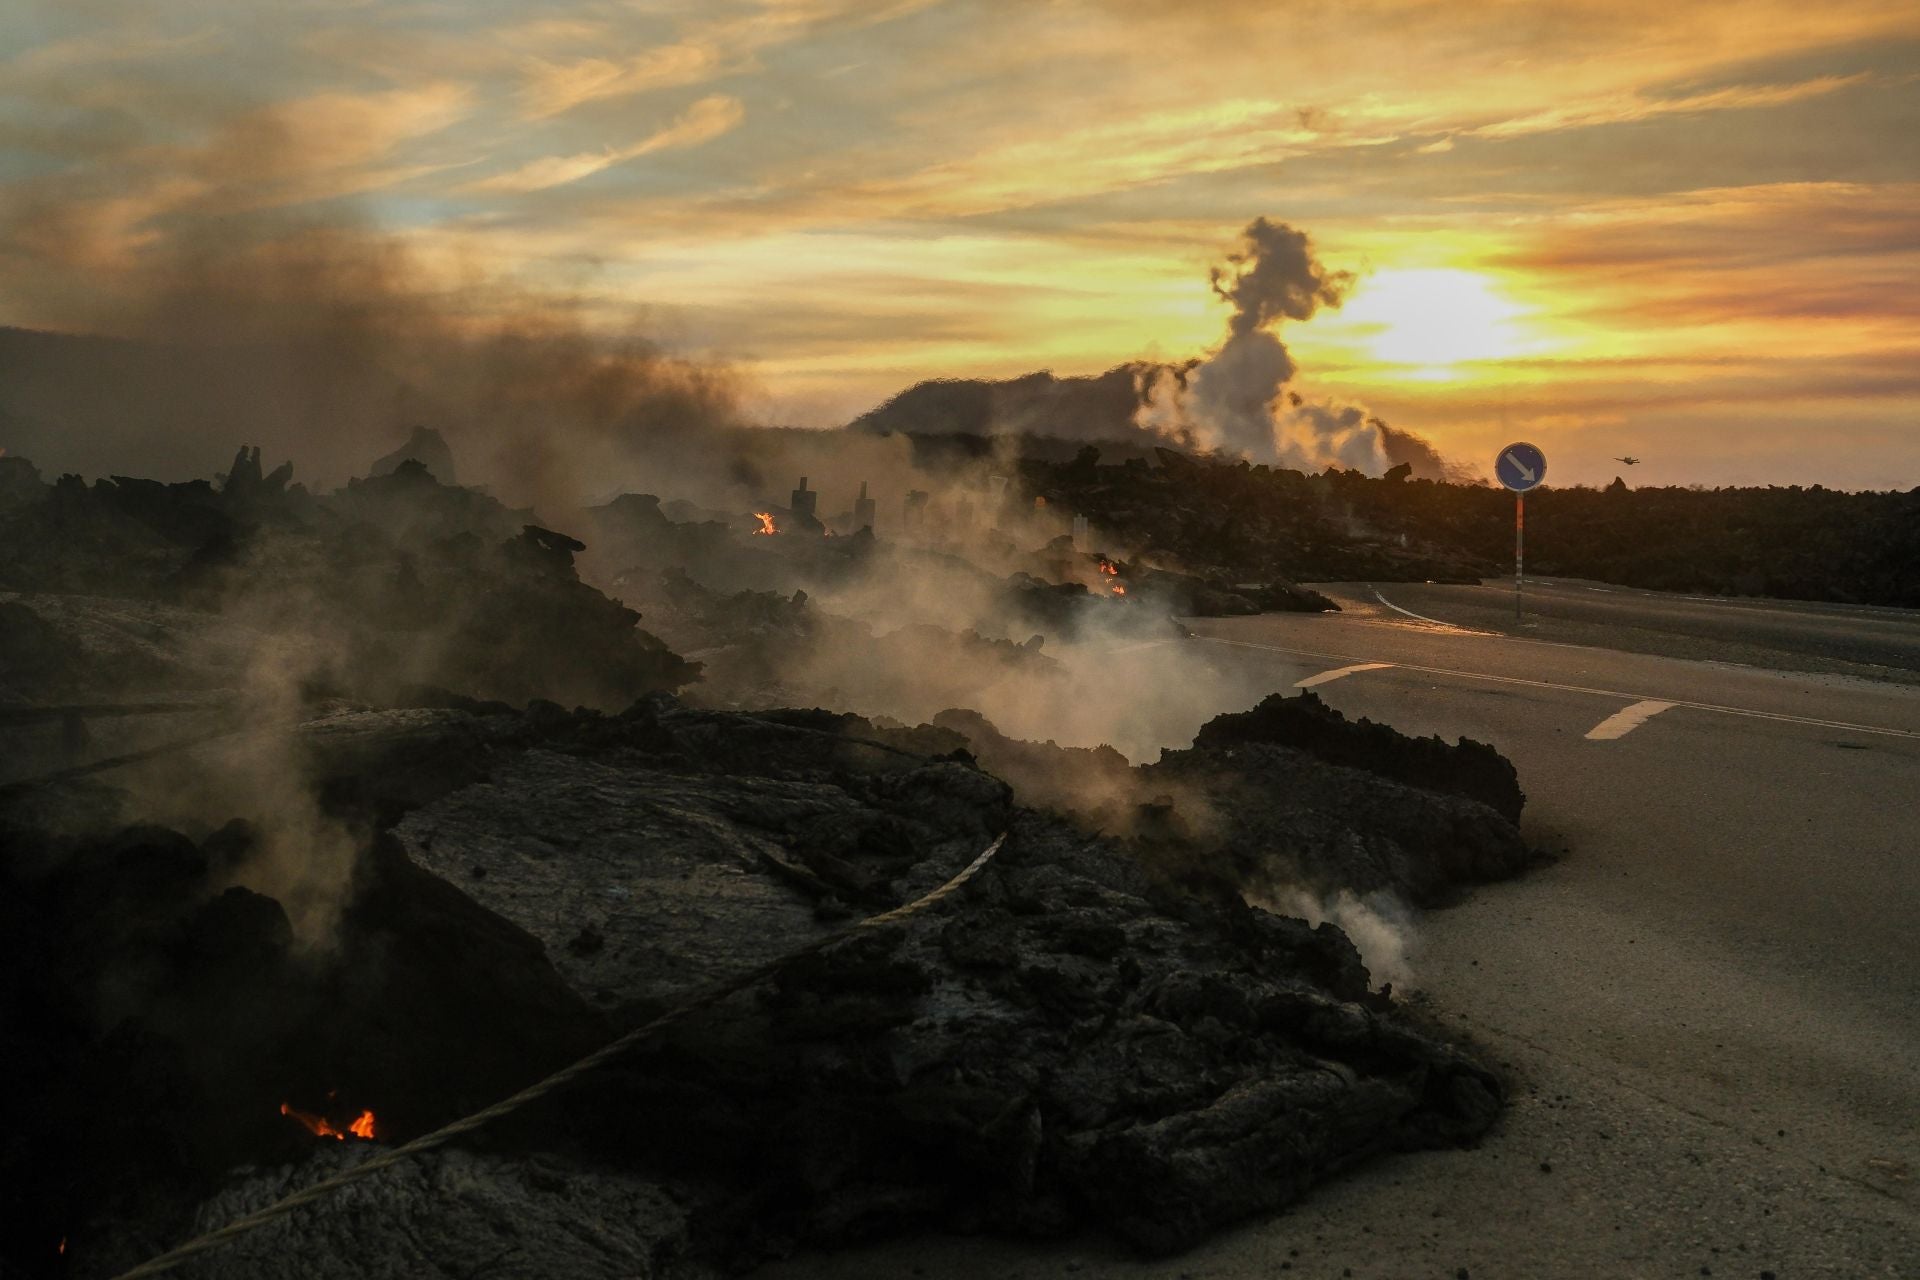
x=448, y=1215
x=158, y=1015
x=1068, y=1040
x=1469, y=769
x=1287, y=796
x=1065, y=1042
x=645, y=885
x=1270, y=818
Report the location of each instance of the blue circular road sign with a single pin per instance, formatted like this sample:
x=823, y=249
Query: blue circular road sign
x=1520, y=466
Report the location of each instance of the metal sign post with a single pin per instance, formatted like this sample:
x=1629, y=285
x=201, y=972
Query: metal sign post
x=1520, y=467
x=1519, y=547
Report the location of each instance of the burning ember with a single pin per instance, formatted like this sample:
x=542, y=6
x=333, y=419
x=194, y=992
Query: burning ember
x=1111, y=572
x=321, y=1127
x=766, y=523
x=1119, y=590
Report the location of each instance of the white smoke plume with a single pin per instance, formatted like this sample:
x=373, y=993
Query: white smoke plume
x=1235, y=400
x=1379, y=924
x=1341, y=435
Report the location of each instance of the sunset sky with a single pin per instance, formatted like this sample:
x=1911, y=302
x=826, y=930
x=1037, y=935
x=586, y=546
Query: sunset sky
x=1684, y=231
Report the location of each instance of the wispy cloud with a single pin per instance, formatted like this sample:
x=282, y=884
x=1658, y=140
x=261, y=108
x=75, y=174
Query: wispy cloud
x=1624, y=108
x=557, y=85
x=726, y=41
x=704, y=121
x=1053, y=165
x=97, y=50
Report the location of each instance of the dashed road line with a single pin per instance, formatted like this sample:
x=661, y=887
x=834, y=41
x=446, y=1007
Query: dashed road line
x=1397, y=609
x=1622, y=723
x=1327, y=677
x=1576, y=688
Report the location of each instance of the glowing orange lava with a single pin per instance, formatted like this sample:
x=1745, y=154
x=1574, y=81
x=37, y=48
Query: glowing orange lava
x=321, y=1127
x=766, y=523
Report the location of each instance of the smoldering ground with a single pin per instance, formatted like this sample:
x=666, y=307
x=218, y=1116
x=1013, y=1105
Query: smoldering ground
x=982, y=600
x=326, y=344
x=1379, y=925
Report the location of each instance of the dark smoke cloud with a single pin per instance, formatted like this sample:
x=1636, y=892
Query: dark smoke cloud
x=1428, y=463
x=1275, y=277
x=327, y=343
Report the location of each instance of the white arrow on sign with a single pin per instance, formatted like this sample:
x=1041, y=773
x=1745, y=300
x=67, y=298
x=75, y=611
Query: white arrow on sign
x=1525, y=472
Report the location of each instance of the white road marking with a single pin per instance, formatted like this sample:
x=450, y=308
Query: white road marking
x=1576, y=688
x=1622, y=723
x=1326, y=677
x=1397, y=609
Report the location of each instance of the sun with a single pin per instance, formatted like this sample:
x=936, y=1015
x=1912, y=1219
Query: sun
x=1433, y=319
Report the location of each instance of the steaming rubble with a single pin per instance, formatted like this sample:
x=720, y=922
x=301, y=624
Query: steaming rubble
x=1102, y=1031
x=1108, y=1027
x=1288, y=794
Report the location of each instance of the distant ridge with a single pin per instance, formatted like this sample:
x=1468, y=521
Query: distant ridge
x=1099, y=407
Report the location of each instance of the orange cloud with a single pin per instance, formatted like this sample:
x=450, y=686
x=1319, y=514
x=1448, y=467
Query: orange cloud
x=1622, y=108
x=554, y=86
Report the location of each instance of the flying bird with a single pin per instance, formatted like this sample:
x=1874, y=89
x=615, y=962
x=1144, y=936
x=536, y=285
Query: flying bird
x=1632, y=462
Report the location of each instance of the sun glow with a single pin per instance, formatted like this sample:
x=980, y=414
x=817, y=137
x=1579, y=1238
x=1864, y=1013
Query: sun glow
x=1434, y=319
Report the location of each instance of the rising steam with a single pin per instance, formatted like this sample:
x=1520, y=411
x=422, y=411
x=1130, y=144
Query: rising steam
x=1379, y=924
x=325, y=344
x=1235, y=400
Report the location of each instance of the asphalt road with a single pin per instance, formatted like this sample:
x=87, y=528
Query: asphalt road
x=1709, y=1001
x=1864, y=640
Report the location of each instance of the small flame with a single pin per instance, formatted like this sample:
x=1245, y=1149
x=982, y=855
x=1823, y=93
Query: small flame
x=1119, y=590
x=321, y=1127
x=1108, y=567
x=766, y=523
